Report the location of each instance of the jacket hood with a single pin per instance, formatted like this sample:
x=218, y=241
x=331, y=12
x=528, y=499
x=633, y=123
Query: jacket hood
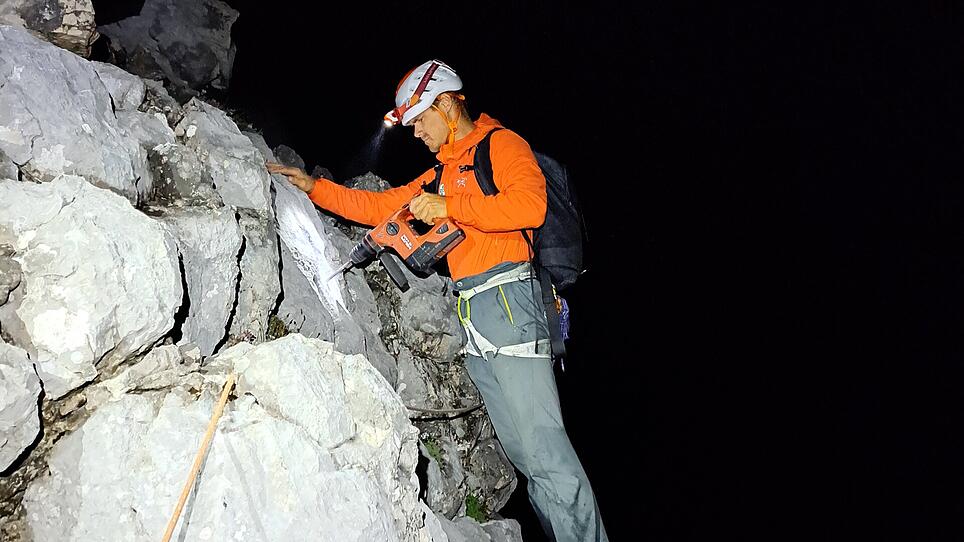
x=483, y=125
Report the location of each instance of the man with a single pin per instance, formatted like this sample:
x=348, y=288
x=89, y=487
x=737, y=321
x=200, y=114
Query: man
x=499, y=305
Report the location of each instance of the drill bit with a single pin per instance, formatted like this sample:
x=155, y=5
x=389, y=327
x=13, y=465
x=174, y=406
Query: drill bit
x=340, y=270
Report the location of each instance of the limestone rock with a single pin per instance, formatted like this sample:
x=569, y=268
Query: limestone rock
x=161, y=368
x=19, y=393
x=208, y=241
x=316, y=444
x=316, y=307
x=287, y=156
x=158, y=101
x=180, y=176
x=10, y=274
x=260, y=278
x=56, y=118
x=100, y=279
x=187, y=42
x=463, y=529
x=149, y=131
x=126, y=90
x=236, y=167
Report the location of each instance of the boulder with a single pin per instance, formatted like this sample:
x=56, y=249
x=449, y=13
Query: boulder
x=56, y=118
x=187, y=42
x=315, y=444
x=100, y=279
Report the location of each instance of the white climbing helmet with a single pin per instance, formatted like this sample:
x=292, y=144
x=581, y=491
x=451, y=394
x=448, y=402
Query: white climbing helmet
x=419, y=89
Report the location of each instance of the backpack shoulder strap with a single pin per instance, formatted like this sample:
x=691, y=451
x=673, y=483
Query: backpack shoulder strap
x=482, y=165
x=432, y=187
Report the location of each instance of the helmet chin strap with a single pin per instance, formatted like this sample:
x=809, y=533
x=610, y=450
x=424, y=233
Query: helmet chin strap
x=451, y=123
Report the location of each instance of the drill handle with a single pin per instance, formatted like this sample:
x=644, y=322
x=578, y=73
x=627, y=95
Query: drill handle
x=394, y=271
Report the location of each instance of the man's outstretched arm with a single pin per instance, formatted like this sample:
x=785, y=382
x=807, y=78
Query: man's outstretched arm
x=362, y=206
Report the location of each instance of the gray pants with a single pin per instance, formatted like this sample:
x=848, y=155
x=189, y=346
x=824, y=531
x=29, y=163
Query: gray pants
x=523, y=403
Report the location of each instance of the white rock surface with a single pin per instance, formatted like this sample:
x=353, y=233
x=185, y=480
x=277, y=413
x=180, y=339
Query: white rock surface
x=316, y=447
x=126, y=89
x=147, y=130
x=19, y=393
x=309, y=242
x=100, y=279
x=232, y=161
x=161, y=368
x=341, y=309
x=260, y=278
x=208, y=241
x=439, y=529
x=56, y=118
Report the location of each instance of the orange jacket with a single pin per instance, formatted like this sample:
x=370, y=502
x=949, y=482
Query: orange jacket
x=492, y=224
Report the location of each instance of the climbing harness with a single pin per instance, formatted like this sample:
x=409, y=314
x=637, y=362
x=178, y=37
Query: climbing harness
x=477, y=344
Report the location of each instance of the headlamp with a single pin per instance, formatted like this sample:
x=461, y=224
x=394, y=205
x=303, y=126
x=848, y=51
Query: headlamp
x=394, y=117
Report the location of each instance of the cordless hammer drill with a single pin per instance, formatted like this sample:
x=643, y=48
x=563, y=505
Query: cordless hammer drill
x=400, y=234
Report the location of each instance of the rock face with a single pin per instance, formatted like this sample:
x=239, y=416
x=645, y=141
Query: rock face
x=100, y=280
x=137, y=263
x=187, y=42
x=65, y=23
x=260, y=284
x=208, y=241
x=19, y=391
x=280, y=467
x=10, y=275
x=181, y=177
x=341, y=309
x=126, y=90
x=234, y=164
x=158, y=101
x=56, y=118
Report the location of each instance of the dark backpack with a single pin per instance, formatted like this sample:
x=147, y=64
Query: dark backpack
x=557, y=244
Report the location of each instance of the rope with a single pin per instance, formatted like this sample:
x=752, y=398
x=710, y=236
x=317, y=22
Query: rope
x=212, y=425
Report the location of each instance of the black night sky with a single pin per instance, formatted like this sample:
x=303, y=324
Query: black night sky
x=773, y=199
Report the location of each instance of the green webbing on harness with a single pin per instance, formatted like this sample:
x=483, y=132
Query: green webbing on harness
x=468, y=310
x=507, y=309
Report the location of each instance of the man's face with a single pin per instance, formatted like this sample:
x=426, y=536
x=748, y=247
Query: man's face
x=431, y=129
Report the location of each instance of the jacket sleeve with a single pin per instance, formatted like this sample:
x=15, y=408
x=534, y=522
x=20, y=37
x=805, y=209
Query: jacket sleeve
x=365, y=206
x=521, y=201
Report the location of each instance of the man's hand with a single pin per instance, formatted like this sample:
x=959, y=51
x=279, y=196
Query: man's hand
x=428, y=207
x=297, y=177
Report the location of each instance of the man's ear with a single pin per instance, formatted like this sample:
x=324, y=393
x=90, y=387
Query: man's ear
x=446, y=103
